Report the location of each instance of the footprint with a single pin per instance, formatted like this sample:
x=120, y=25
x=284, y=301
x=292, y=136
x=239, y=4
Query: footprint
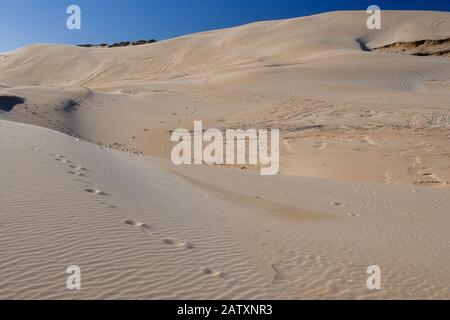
x=353, y=215
x=138, y=224
x=179, y=244
x=62, y=159
x=146, y=227
x=338, y=204
x=78, y=168
x=133, y=223
x=169, y=241
x=186, y=245
x=77, y=174
x=213, y=273
x=98, y=192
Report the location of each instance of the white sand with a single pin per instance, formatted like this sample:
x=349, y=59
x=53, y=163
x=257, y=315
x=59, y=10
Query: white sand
x=364, y=165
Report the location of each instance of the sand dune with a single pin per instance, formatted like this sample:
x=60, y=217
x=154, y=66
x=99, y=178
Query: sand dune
x=300, y=73
x=364, y=176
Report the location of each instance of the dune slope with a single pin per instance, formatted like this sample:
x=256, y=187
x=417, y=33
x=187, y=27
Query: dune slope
x=141, y=228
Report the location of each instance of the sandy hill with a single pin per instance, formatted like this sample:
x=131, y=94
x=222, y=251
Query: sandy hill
x=294, y=74
x=210, y=54
x=323, y=77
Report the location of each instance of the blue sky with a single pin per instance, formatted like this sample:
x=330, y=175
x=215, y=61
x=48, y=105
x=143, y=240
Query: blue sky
x=44, y=21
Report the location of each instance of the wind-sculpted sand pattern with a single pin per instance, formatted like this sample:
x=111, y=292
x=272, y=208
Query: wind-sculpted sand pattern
x=131, y=242
x=77, y=222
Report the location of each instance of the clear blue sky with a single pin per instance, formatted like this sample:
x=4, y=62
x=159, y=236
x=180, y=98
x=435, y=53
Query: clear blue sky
x=44, y=21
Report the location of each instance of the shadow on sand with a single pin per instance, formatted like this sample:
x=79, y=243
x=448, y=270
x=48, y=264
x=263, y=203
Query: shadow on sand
x=7, y=103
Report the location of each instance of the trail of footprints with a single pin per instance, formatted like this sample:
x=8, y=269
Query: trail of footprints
x=150, y=230
x=349, y=214
x=175, y=243
x=81, y=172
x=76, y=170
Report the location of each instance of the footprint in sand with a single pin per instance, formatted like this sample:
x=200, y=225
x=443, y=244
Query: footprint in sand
x=338, y=204
x=97, y=192
x=353, y=215
x=80, y=168
x=138, y=224
x=149, y=229
x=61, y=158
x=133, y=223
x=146, y=228
x=212, y=272
x=179, y=244
x=77, y=174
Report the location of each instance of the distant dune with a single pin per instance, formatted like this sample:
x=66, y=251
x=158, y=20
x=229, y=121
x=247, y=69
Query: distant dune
x=364, y=180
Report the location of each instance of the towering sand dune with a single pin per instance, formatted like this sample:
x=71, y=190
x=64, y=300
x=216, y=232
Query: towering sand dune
x=293, y=74
x=210, y=54
x=364, y=164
